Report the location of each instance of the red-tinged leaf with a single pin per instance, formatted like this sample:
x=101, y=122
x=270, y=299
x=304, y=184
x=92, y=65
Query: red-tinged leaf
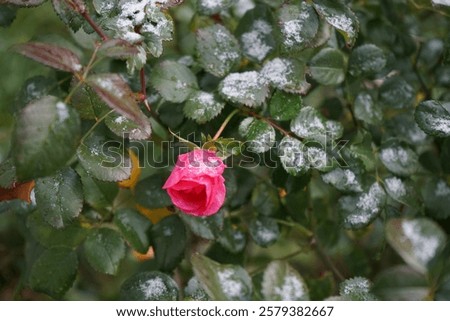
x=118, y=48
x=113, y=89
x=20, y=191
x=50, y=55
x=23, y=3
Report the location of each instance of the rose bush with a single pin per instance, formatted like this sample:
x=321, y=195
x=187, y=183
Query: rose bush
x=196, y=185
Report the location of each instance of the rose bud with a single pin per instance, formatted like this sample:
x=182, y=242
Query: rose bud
x=196, y=185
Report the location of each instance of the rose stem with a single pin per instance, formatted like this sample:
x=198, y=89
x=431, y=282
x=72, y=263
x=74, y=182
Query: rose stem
x=225, y=123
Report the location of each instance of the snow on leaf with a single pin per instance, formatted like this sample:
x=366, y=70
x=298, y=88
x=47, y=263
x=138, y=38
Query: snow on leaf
x=247, y=88
x=433, y=118
x=285, y=74
x=255, y=43
x=260, y=134
x=203, y=107
x=400, y=160
x=344, y=180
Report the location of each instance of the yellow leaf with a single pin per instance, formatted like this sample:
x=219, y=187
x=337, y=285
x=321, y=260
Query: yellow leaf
x=135, y=172
x=154, y=215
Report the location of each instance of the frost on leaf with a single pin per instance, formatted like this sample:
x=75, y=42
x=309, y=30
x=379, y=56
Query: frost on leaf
x=282, y=283
x=400, y=160
x=195, y=291
x=260, y=135
x=124, y=127
x=257, y=42
x=310, y=124
x=285, y=74
x=149, y=286
x=433, y=118
x=292, y=156
x=299, y=25
x=203, y=107
x=356, y=289
x=210, y=7
x=360, y=210
x=344, y=180
x=367, y=110
x=436, y=194
x=247, y=88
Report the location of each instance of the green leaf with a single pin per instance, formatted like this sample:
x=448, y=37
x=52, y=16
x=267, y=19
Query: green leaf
x=54, y=272
x=104, y=160
x=149, y=286
x=417, y=241
x=399, y=159
x=7, y=174
x=404, y=127
x=436, y=196
x=232, y=238
x=396, y=93
x=286, y=74
x=255, y=32
x=126, y=128
x=299, y=25
x=70, y=236
x=281, y=282
x=293, y=156
x=265, y=199
x=25, y=3
x=36, y=87
x=203, y=107
x=339, y=15
x=169, y=242
x=115, y=92
x=367, y=110
x=175, y=82
x=327, y=67
x=87, y=102
x=310, y=124
x=345, y=180
x=149, y=193
x=194, y=291
x=218, y=50
x=246, y=88
x=60, y=197
x=433, y=118
x=401, y=283
x=51, y=55
x=356, y=289
x=104, y=7
x=7, y=15
x=222, y=282
x=260, y=135
x=285, y=106
x=366, y=60
x=67, y=15
x=134, y=228
x=104, y=250
x=46, y=137
x=360, y=210
x=402, y=191
x=209, y=227
x=264, y=231
x=117, y=48
x=208, y=7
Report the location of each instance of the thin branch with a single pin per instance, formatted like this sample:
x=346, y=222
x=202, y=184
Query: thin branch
x=225, y=123
x=94, y=25
x=327, y=260
x=143, y=95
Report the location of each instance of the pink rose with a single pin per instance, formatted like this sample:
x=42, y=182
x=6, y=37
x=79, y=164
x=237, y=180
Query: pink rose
x=196, y=185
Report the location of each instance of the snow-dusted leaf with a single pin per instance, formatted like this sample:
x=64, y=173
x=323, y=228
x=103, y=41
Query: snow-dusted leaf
x=264, y=231
x=399, y=159
x=286, y=74
x=340, y=16
x=293, y=156
x=299, y=25
x=433, y=118
x=255, y=32
x=232, y=238
x=149, y=286
x=104, y=7
x=194, y=290
x=67, y=15
x=360, y=210
x=203, y=107
x=174, y=81
x=281, y=282
x=436, y=195
x=218, y=50
x=222, y=282
x=396, y=93
x=356, y=289
x=366, y=60
x=260, y=134
x=137, y=61
x=247, y=88
x=24, y=3
x=310, y=124
x=367, y=110
x=345, y=180
x=402, y=191
x=50, y=55
x=104, y=249
x=210, y=7
x=327, y=67
x=157, y=27
x=417, y=241
x=60, y=197
x=114, y=91
x=103, y=161
x=285, y=106
x=404, y=127
x=124, y=127
x=47, y=133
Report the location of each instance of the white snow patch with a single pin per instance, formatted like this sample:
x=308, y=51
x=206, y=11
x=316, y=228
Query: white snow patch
x=395, y=187
x=153, y=288
x=424, y=247
x=254, y=43
x=63, y=111
x=231, y=288
x=292, y=289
